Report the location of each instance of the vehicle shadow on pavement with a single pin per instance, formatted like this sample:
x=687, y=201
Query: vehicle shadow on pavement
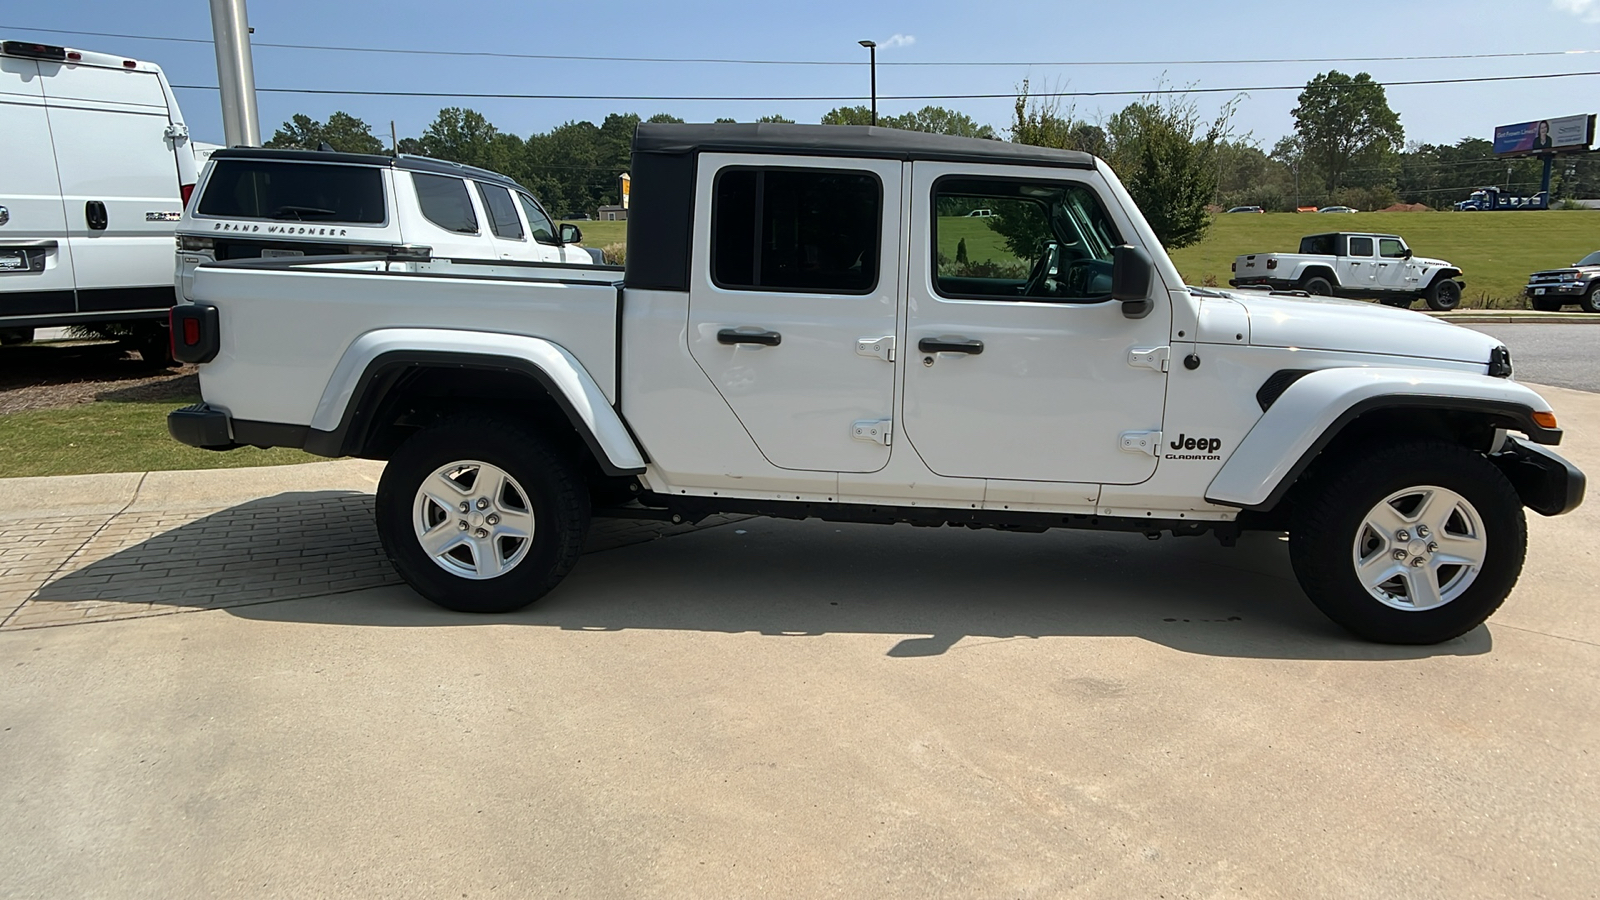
x=933, y=588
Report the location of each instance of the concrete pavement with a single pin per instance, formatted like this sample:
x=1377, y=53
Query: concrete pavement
x=780, y=708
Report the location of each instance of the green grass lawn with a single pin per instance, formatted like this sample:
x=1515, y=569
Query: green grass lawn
x=1496, y=251
x=107, y=436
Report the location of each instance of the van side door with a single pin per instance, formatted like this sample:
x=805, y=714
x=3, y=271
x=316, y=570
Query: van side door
x=35, y=255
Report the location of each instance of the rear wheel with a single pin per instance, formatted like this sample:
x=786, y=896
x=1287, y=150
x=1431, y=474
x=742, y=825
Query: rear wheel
x=1590, y=301
x=1317, y=286
x=153, y=341
x=481, y=514
x=1413, y=544
x=11, y=336
x=1444, y=295
x=1546, y=304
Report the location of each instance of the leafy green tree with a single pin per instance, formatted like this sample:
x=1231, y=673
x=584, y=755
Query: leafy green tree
x=664, y=119
x=1166, y=157
x=726, y=121
x=938, y=120
x=776, y=119
x=342, y=132
x=460, y=135
x=848, y=115
x=1345, y=124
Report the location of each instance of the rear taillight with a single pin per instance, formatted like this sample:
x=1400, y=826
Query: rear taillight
x=187, y=242
x=196, y=336
x=186, y=191
x=1234, y=267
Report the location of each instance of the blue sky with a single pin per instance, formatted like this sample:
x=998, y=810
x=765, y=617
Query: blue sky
x=932, y=31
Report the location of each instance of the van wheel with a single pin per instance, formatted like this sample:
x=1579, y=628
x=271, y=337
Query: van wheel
x=1590, y=301
x=480, y=514
x=1415, y=543
x=1317, y=286
x=1444, y=295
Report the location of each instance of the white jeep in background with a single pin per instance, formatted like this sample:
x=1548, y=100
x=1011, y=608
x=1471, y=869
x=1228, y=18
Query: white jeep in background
x=795, y=336
x=253, y=203
x=1365, y=266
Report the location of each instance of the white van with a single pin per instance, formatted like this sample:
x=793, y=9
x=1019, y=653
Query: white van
x=254, y=202
x=93, y=179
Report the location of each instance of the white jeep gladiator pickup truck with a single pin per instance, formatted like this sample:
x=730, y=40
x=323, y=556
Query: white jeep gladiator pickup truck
x=1368, y=266
x=800, y=333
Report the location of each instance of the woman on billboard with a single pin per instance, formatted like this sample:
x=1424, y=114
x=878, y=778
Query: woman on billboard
x=1543, y=142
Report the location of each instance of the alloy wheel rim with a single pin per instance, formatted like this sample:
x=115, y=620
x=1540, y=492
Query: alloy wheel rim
x=1419, y=548
x=473, y=520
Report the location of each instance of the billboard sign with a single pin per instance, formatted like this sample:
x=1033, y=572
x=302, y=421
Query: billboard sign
x=1569, y=134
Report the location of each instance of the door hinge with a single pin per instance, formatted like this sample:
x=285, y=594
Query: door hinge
x=877, y=431
x=177, y=132
x=1142, y=442
x=881, y=347
x=1149, y=358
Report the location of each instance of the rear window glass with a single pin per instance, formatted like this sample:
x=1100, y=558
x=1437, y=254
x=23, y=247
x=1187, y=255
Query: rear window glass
x=1317, y=243
x=1360, y=246
x=294, y=192
x=445, y=202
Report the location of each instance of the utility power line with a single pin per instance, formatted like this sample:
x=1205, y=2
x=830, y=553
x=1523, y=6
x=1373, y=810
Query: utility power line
x=822, y=62
x=1008, y=95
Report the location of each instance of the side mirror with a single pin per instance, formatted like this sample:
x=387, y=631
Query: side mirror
x=1408, y=253
x=570, y=234
x=1131, y=274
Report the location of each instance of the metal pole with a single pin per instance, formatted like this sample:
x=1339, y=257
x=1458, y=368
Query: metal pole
x=873, y=50
x=230, y=33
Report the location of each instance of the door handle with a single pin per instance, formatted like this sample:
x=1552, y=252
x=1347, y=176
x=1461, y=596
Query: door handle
x=735, y=336
x=950, y=345
x=95, y=212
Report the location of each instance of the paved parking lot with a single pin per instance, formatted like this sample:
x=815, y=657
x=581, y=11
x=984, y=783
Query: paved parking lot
x=766, y=707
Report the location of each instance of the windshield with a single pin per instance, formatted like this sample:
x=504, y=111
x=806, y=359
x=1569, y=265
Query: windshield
x=1592, y=259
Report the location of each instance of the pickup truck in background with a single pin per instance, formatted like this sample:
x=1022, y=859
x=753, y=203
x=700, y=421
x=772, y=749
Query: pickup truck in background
x=1363, y=266
x=1579, y=283
x=796, y=335
x=253, y=203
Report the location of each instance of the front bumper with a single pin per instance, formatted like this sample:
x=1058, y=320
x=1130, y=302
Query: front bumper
x=1556, y=289
x=1547, y=483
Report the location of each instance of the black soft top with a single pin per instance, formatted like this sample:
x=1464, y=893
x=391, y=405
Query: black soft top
x=403, y=162
x=845, y=140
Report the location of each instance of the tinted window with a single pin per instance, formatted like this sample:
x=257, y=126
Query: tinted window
x=1391, y=247
x=294, y=192
x=801, y=230
x=502, y=211
x=445, y=202
x=1317, y=244
x=1592, y=259
x=538, y=222
x=1360, y=247
x=1042, y=240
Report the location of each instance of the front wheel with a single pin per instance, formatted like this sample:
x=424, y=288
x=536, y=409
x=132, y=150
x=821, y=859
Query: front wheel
x=1590, y=301
x=1412, y=544
x=1444, y=295
x=480, y=514
x=1546, y=304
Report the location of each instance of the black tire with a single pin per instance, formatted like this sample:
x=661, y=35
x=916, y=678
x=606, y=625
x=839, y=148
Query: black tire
x=13, y=336
x=557, y=497
x=1444, y=295
x=1546, y=304
x=1317, y=286
x=1591, y=301
x=1327, y=523
x=153, y=342
x=1403, y=302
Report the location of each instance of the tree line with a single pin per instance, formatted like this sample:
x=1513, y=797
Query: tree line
x=1347, y=148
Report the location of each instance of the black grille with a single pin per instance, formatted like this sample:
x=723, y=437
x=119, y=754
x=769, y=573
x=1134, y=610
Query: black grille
x=1276, y=384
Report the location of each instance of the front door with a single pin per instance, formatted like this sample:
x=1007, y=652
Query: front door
x=1019, y=365
x=1395, y=271
x=792, y=311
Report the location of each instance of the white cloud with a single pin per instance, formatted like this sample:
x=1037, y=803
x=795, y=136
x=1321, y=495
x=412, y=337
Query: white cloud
x=1587, y=10
x=906, y=40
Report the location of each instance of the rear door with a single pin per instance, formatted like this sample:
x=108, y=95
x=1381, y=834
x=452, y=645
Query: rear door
x=793, y=311
x=1358, y=269
x=119, y=183
x=35, y=255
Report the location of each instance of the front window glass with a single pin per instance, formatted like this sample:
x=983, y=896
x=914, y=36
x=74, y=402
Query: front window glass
x=1391, y=248
x=1592, y=259
x=1039, y=240
x=538, y=222
x=502, y=211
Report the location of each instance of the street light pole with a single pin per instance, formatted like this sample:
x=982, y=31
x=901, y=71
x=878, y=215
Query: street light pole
x=872, y=50
x=230, y=32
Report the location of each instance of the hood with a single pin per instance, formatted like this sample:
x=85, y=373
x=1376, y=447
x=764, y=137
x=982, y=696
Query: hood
x=1569, y=270
x=1353, y=326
